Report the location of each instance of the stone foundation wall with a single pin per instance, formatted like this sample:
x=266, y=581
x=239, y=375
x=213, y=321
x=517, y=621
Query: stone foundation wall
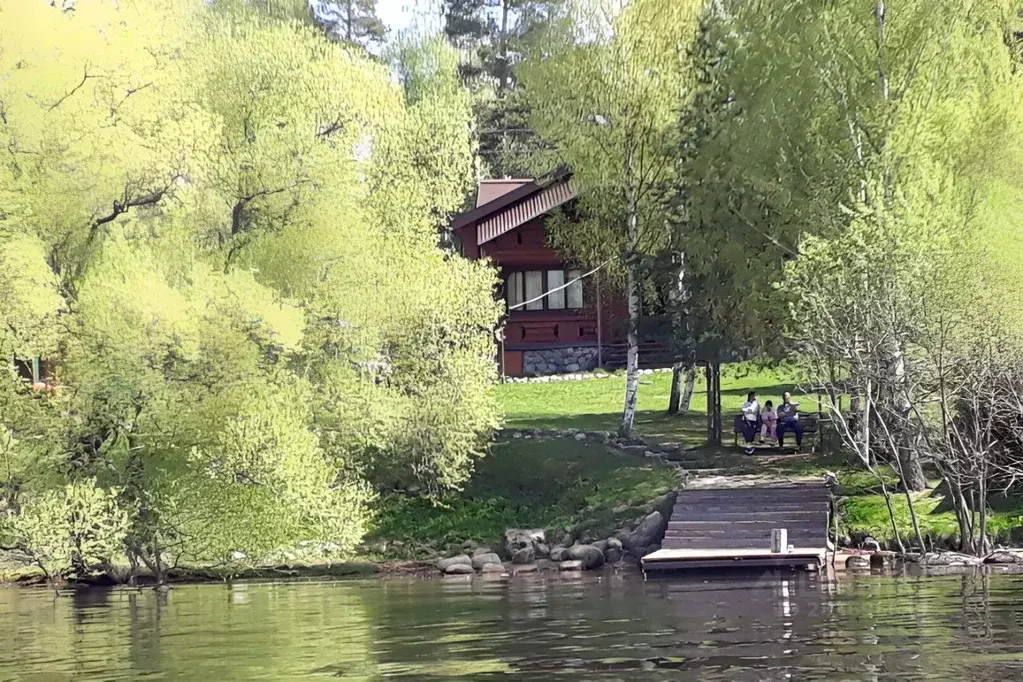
x=559, y=360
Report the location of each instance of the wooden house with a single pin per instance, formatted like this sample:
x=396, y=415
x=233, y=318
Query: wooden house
x=559, y=317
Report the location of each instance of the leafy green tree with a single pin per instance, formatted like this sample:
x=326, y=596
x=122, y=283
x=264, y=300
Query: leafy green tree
x=893, y=117
x=222, y=231
x=605, y=97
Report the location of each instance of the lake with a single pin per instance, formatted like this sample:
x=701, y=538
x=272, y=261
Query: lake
x=593, y=627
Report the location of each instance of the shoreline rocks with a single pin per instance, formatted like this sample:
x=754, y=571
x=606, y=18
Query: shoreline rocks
x=588, y=555
x=459, y=569
x=521, y=538
x=1004, y=557
x=647, y=534
x=460, y=560
x=949, y=559
x=484, y=559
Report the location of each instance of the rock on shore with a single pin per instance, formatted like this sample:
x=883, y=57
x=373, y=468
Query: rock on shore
x=649, y=532
x=482, y=560
x=590, y=556
x=460, y=560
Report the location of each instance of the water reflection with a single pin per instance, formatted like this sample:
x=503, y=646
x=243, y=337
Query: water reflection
x=606, y=627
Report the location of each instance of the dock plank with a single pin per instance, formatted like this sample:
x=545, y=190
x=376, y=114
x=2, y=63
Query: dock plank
x=723, y=527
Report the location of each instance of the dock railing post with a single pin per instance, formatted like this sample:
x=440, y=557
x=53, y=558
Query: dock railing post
x=779, y=541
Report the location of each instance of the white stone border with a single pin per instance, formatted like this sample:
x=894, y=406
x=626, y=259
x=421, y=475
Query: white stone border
x=577, y=376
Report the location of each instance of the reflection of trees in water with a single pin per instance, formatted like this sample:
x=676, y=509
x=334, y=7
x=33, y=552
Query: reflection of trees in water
x=236, y=632
x=976, y=605
x=760, y=627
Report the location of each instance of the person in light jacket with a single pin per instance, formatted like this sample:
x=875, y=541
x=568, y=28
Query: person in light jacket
x=750, y=420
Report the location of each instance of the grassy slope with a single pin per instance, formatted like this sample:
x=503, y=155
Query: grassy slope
x=552, y=484
x=596, y=405
x=527, y=484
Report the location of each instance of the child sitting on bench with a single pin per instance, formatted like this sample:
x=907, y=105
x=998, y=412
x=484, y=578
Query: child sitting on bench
x=769, y=422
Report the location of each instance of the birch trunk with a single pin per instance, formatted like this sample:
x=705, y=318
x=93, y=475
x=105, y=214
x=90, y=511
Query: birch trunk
x=676, y=296
x=683, y=381
x=909, y=461
x=632, y=290
x=687, y=392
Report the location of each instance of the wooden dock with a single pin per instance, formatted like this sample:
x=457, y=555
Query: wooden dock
x=731, y=527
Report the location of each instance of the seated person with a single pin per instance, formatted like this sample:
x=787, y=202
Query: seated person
x=788, y=420
x=768, y=422
x=750, y=419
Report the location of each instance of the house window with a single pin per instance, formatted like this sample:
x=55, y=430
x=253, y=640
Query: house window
x=514, y=289
x=574, y=292
x=534, y=289
x=556, y=299
x=533, y=284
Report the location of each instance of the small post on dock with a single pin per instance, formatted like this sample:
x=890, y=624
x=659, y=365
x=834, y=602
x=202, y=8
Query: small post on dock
x=779, y=541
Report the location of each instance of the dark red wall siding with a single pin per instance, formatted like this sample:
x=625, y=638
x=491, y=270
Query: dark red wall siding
x=526, y=248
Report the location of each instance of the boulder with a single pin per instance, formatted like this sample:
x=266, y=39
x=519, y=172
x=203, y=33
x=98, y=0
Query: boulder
x=557, y=553
x=468, y=544
x=523, y=556
x=481, y=561
x=526, y=568
x=664, y=504
x=649, y=531
x=590, y=556
x=564, y=538
x=517, y=538
x=858, y=562
x=614, y=543
x=460, y=560
x=949, y=559
x=580, y=436
x=483, y=550
x=585, y=529
x=601, y=545
x=459, y=569
x=1003, y=556
x=541, y=550
x=613, y=555
x=493, y=568
x=570, y=566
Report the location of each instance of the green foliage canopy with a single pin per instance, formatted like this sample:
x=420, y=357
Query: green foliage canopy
x=221, y=232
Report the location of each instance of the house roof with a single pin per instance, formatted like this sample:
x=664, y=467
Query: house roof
x=492, y=189
x=517, y=205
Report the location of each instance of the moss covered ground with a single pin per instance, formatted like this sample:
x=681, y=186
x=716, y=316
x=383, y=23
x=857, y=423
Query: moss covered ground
x=526, y=484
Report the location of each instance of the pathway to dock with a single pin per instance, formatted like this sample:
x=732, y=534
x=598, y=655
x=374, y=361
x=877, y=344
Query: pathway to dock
x=727, y=521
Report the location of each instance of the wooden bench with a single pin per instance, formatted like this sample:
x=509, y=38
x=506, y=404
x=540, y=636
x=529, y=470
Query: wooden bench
x=811, y=421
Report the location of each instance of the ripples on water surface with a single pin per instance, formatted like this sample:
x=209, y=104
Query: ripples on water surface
x=591, y=628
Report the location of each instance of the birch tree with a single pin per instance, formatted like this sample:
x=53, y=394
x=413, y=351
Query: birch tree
x=864, y=113
x=605, y=95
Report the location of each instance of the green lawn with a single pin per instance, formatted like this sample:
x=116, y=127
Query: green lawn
x=527, y=484
x=560, y=483
x=596, y=405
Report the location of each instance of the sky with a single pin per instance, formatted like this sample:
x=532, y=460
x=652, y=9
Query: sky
x=396, y=14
